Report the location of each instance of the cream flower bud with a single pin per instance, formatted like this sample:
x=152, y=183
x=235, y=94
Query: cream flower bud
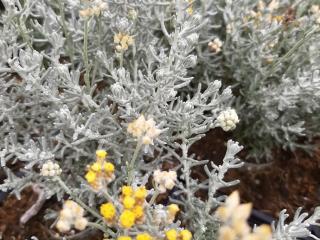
x=144, y=129
x=80, y=223
x=63, y=226
x=315, y=9
x=228, y=119
x=50, y=169
x=66, y=214
x=215, y=45
x=165, y=180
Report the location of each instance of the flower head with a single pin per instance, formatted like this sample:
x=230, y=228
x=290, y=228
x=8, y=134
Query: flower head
x=50, y=169
x=228, y=119
x=128, y=202
x=140, y=193
x=71, y=216
x=144, y=129
x=234, y=216
x=127, y=190
x=172, y=210
x=164, y=180
x=185, y=234
x=124, y=238
x=101, y=154
x=215, y=45
x=123, y=41
x=138, y=212
x=127, y=219
x=108, y=211
x=171, y=234
x=144, y=236
x=91, y=176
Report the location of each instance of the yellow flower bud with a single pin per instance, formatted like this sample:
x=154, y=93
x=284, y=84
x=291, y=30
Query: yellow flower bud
x=108, y=211
x=96, y=167
x=173, y=209
x=127, y=219
x=127, y=191
x=186, y=234
x=128, y=202
x=141, y=193
x=144, y=236
x=171, y=234
x=124, y=238
x=91, y=176
x=109, y=167
x=101, y=154
x=138, y=212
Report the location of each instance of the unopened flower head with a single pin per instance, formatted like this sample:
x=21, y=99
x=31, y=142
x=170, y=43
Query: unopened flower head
x=228, y=119
x=215, y=45
x=143, y=129
x=95, y=10
x=315, y=9
x=122, y=41
x=165, y=180
x=71, y=216
x=50, y=169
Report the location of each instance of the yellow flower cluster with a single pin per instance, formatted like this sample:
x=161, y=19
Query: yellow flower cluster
x=100, y=172
x=132, y=207
x=144, y=129
x=123, y=41
x=173, y=234
x=234, y=216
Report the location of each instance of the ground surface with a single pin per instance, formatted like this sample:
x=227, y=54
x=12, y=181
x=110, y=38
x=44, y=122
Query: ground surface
x=290, y=181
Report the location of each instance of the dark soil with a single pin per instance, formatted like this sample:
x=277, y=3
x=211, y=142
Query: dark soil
x=12, y=209
x=289, y=181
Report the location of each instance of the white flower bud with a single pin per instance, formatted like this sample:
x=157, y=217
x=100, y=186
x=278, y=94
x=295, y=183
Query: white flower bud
x=50, y=169
x=228, y=119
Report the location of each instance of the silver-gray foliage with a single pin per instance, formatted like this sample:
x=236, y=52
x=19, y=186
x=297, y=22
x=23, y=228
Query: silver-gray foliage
x=66, y=91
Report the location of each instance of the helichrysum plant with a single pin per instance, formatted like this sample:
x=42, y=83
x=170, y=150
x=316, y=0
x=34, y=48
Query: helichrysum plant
x=268, y=51
x=122, y=79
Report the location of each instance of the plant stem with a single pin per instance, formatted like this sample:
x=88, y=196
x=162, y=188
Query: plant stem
x=121, y=59
x=98, y=226
x=132, y=162
x=85, y=55
x=66, y=33
x=306, y=37
x=154, y=197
